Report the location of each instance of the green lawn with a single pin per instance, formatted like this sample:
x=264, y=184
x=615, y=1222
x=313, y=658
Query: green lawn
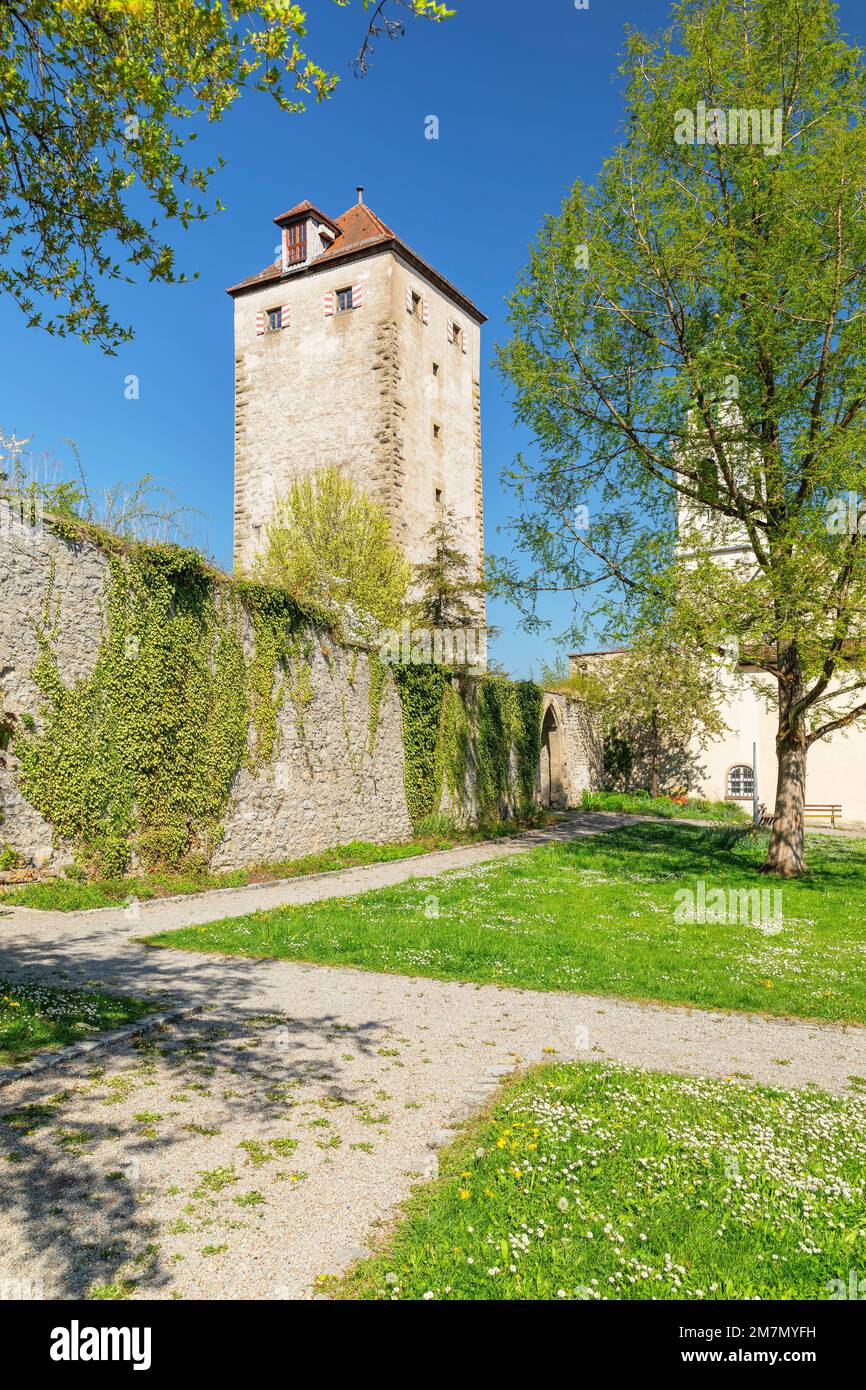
x=75, y=895
x=34, y=1017
x=597, y=914
x=694, y=808
x=594, y=1182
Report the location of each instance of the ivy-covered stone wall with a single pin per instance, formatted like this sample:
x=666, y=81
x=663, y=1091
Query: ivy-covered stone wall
x=157, y=713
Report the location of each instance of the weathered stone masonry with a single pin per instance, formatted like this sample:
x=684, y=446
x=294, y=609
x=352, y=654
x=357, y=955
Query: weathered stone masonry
x=387, y=388
x=326, y=786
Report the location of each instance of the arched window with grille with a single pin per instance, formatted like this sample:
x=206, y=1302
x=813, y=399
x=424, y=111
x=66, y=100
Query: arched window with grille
x=740, y=782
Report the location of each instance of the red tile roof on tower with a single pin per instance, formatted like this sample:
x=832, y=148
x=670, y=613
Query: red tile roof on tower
x=358, y=230
x=305, y=206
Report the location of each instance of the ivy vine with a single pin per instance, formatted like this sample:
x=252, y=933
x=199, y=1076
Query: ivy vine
x=421, y=690
x=508, y=718
x=138, y=758
x=378, y=670
x=482, y=733
x=453, y=753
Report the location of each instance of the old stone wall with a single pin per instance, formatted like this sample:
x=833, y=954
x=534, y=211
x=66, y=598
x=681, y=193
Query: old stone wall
x=337, y=775
x=329, y=783
x=581, y=745
x=29, y=561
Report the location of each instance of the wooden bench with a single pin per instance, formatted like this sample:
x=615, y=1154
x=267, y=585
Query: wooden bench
x=828, y=812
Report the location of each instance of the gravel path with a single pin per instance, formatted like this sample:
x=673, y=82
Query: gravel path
x=251, y=1150
x=168, y=914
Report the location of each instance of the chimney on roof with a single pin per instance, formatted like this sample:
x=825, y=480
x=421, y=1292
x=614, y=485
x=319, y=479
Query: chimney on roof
x=360, y=191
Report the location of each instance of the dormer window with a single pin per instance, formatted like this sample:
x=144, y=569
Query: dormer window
x=296, y=243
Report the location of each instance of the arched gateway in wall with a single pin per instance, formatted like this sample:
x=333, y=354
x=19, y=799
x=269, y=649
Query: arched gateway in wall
x=551, y=776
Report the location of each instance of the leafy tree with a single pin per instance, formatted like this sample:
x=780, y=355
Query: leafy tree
x=330, y=545
x=690, y=346
x=663, y=702
x=445, y=583
x=617, y=761
x=659, y=703
x=96, y=97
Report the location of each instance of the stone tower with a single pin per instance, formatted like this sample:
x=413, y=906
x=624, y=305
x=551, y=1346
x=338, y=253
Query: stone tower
x=351, y=350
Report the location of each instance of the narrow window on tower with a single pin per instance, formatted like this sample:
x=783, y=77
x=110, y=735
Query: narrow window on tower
x=708, y=480
x=416, y=305
x=437, y=430
x=275, y=319
x=435, y=368
x=344, y=300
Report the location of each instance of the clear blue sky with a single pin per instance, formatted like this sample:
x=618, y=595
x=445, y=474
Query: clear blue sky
x=528, y=99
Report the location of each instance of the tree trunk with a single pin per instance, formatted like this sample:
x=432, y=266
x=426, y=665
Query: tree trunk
x=654, y=773
x=785, y=855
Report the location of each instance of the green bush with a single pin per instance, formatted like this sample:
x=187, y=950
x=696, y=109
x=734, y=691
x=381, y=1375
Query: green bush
x=437, y=826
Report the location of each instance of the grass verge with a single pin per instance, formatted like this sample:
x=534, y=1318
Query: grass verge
x=36, y=1018
x=693, y=808
x=597, y=914
x=74, y=895
x=598, y=1182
